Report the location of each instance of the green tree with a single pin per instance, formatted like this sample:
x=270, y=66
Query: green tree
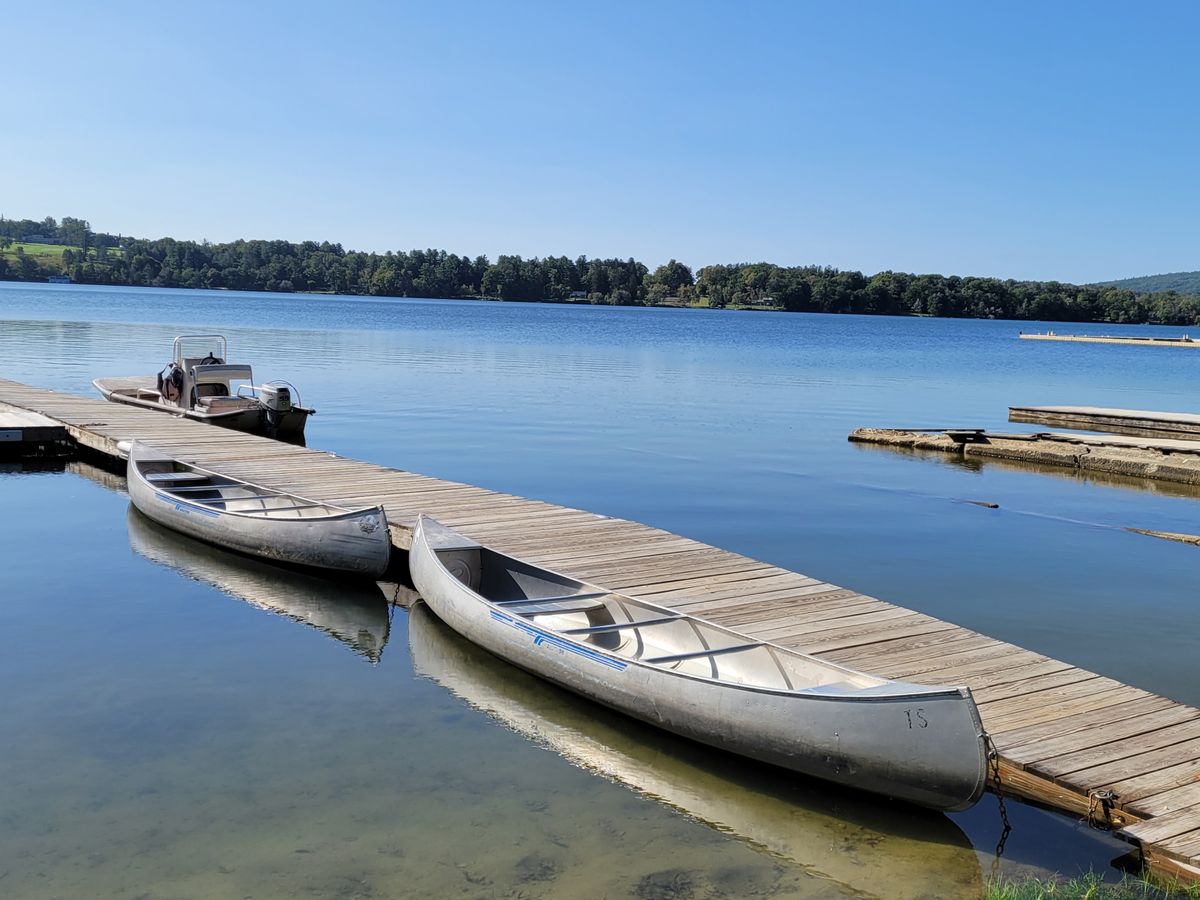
x=74, y=231
x=671, y=278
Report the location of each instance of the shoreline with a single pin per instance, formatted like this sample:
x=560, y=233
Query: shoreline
x=578, y=303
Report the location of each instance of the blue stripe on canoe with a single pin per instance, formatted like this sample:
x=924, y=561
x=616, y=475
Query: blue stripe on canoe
x=185, y=507
x=545, y=638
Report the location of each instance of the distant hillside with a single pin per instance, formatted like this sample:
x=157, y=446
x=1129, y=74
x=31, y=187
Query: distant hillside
x=1180, y=282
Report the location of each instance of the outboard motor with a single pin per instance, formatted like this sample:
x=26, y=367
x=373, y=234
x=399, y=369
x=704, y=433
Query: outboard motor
x=275, y=402
x=275, y=397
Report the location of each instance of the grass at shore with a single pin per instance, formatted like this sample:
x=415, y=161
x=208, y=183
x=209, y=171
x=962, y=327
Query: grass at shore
x=46, y=254
x=1089, y=887
x=41, y=251
x=49, y=256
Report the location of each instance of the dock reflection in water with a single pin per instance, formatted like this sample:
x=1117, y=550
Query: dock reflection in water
x=854, y=842
x=352, y=611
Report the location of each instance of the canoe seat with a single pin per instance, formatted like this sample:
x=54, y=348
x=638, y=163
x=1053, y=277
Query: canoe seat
x=160, y=477
x=560, y=606
x=834, y=687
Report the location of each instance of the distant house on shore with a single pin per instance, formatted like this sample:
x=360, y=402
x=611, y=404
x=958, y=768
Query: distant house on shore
x=58, y=279
x=577, y=295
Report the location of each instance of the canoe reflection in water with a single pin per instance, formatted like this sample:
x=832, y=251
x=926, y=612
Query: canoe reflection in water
x=858, y=842
x=352, y=611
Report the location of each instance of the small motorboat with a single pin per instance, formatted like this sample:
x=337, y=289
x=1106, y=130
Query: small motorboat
x=199, y=384
x=923, y=745
x=238, y=515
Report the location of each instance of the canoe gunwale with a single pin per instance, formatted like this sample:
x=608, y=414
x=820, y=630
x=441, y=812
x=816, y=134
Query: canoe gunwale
x=260, y=517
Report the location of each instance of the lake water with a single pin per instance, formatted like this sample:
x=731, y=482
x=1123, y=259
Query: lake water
x=186, y=723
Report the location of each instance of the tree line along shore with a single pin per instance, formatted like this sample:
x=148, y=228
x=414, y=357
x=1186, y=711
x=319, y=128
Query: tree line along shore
x=37, y=250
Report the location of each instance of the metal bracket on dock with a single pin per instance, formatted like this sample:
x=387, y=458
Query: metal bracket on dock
x=1100, y=806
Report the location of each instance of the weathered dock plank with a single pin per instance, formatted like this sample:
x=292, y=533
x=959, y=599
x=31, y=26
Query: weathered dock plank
x=1138, y=422
x=1063, y=734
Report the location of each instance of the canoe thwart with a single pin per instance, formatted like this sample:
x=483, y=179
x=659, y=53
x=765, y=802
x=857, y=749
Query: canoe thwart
x=701, y=654
x=622, y=626
x=170, y=477
x=554, y=599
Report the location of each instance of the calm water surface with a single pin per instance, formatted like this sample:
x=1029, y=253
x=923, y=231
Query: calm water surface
x=186, y=723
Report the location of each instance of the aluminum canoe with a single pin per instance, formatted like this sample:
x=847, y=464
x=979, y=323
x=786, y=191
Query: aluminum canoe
x=920, y=744
x=899, y=852
x=251, y=519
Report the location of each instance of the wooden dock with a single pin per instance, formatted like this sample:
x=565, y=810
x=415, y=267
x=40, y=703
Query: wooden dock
x=1138, y=422
x=1066, y=738
x=1128, y=340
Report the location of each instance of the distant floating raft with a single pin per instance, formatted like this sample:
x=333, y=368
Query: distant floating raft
x=1150, y=341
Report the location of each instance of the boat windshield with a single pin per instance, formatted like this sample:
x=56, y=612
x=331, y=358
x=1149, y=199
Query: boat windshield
x=195, y=347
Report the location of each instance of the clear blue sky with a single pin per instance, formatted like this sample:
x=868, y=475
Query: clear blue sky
x=1031, y=140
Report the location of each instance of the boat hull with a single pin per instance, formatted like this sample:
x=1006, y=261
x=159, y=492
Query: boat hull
x=356, y=541
x=923, y=748
x=288, y=426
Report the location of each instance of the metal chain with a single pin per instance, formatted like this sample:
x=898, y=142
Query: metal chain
x=993, y=756
x=1102, y=800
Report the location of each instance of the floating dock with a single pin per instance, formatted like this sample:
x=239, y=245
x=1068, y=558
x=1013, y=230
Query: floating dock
x=24, y=433
x=1139, y=422
x=1160, y=459
x=1182, y=341
x=1066, y=738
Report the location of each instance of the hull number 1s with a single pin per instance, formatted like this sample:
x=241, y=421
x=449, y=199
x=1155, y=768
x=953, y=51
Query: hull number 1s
x=916, y=718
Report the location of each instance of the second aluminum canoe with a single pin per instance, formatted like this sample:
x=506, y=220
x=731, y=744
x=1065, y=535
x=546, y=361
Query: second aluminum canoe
x=924, y=745
x=251, y=519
